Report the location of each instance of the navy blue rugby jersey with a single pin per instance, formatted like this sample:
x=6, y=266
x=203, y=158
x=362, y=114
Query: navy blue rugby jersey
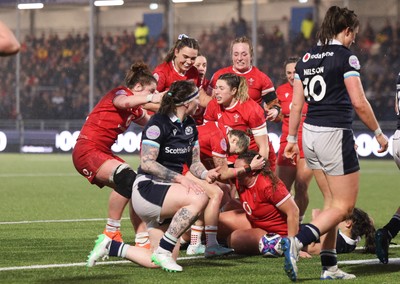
x=398, y=100
x=175, y=140
x=345, y=244
x=322, y=71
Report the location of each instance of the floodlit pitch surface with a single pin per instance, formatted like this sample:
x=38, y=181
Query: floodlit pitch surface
x=50, y=217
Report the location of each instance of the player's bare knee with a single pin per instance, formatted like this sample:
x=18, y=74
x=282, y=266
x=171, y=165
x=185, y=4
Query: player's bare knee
x=123, y=178
x=215, y=193
x=200, y=202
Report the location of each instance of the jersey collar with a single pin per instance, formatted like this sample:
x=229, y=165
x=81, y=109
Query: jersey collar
x=331, y=42
x=174, y=118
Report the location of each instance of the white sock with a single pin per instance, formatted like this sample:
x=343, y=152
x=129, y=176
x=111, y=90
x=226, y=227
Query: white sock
x=195, y=234
x=141, y=238
x=113, y=225
x=182, y=241
x=123, y=249
x=211, y=235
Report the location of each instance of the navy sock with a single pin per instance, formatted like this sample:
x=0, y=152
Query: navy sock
x=308, y=234
x=114, y=248
x=328, y=258
x=393, y=226
x=168, y=242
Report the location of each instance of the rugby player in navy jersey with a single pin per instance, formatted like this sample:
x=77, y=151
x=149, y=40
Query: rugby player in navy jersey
x=167, y=201
x=328, y=79
x=169, y=142
x=390, y=230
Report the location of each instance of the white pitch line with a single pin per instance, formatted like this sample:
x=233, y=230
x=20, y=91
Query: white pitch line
x=39, y=175
x=369, y=261
x=46, y=266
x=56, y=221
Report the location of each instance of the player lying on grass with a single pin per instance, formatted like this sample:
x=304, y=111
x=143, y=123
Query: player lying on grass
x=267, y=207
x=358, y=224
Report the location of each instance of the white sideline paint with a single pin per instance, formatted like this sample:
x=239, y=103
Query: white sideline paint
x=45, y=266
x=364, y=261
x=39, y=175
x=57, y=221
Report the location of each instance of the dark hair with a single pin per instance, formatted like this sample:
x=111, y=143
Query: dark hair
x=336, y=20
x=177, y=93
x=139, y=73
x=249, y=155
x=183, y=41
x=238, y=82
x=363, y=226
x=291, y=59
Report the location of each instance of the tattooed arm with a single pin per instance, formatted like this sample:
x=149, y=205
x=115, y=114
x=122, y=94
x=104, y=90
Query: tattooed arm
x=199, y=170
x=149, y=164
x=227, y=173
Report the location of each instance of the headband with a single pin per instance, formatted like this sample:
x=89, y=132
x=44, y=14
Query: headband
x=189, y=98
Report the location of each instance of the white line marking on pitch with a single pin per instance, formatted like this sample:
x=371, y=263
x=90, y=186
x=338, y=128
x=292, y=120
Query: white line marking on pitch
x=364, y=261
x=39, y=175
x=55, y=221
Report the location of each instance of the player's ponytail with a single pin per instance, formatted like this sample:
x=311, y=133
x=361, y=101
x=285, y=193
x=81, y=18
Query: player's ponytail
x=139, y=73
x=362, y=225
x=178, y=93
x=335, y=21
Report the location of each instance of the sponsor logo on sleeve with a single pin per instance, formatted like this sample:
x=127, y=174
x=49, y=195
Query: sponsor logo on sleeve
x=223, y=144
x=153, y=132
x=353, y=61
x=121, y=92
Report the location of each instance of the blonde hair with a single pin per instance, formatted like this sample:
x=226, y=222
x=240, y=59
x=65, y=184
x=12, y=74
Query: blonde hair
x=238, y=82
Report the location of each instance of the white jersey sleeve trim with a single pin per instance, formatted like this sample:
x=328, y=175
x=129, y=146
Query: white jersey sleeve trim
x=219, y=155
x=351, y=74
x=150, y=143
x=261, y=130
x=283, y=200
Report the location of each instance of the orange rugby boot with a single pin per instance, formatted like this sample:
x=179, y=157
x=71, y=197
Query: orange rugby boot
x=116, y=236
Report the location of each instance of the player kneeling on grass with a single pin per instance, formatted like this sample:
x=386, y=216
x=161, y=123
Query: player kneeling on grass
x=168, y=202
x=268, y=207
x=216, y=142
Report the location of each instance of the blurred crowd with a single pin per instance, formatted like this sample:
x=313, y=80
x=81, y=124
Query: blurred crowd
x=54, y=81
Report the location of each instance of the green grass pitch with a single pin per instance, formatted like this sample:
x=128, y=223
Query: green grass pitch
x=50, y=217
